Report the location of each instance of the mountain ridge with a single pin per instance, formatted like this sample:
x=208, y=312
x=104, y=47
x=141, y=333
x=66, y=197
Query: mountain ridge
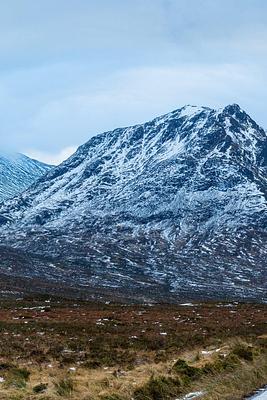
x=178, y=203
x=17, y=173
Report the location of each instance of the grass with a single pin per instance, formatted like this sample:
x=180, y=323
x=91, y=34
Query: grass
x=185, y=371
x=16, y=378
x=230, y=378
x=62, y=349
x=64, y=387
x=237, y=385
x=158, y=388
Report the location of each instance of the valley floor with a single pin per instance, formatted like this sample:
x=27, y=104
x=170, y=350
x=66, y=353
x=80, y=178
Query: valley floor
x=56, y=348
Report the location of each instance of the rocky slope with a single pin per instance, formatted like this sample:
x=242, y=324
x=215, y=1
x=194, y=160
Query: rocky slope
x=17, y=173
x=176, y=205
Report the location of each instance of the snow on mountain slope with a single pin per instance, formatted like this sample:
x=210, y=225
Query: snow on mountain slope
x=17, y=173
x=178, y=202
x=176, y=165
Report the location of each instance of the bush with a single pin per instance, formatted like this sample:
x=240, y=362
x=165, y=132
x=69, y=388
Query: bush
x=243, y=352
x=229, y=363
x=41, y=388
x=5, y=367
x=186, y=371
x=160, y=388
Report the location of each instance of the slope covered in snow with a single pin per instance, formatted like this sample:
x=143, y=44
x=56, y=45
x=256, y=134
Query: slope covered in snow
x=17, y=173
x=178, y=202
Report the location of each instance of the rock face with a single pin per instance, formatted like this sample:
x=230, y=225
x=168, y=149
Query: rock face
x=174, y=207
x=17, y=173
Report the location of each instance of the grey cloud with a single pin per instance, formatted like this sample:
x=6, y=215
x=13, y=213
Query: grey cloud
x=71, y=69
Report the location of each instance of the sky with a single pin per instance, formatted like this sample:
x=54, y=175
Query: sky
x=71, y=69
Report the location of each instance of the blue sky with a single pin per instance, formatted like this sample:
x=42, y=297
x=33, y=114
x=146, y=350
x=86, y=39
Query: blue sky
x=73, y=68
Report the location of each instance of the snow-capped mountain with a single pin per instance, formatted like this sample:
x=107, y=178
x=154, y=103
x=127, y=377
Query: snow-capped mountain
x=178, y=203
x=17, y=173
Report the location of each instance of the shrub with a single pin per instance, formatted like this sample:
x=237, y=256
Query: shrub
x=243, y=352
x=229, y=363
x=186, y=371
x=160, y=388
x=5, y=367
x=41, y=388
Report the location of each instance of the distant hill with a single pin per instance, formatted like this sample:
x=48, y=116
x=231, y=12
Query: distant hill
x=17, y=173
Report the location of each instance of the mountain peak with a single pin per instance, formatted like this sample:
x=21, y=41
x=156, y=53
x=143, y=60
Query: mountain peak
x=176, y=202
x=189, y=110
x=234, y=110
x=233, y=107
x=240, y=123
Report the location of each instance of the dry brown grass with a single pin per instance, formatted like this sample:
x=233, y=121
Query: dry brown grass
x=237, y=385
x=93, y=351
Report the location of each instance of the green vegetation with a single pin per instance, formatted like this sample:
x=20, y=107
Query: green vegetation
x=159, y=388
x=185, y=371
x=86, y=351
x=244, y=352
x=64, y=387
x=17, y=378
x=41, y=388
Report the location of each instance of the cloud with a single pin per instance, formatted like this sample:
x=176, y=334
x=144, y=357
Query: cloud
x=136, y=95
x=52, y=119
x=51, y=158
x=70, y=71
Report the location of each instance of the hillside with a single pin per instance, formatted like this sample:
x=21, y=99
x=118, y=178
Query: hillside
x=176, y=205
x=17, y=173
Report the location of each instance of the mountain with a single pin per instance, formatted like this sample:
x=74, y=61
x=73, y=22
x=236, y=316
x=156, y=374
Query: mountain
x=172, y=208
x=17, y=173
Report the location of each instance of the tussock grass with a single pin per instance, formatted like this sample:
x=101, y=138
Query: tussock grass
x=237, y=385
x=64, y=387
x=17, y=378
x=158, y=388
x=113, y=352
